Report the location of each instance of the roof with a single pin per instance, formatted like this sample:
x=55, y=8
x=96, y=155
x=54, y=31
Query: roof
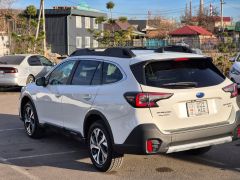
x=141, y=24
x=76, y=12
x=118, y=25
x=190, y=30
x=123, y=25
x=225, y=19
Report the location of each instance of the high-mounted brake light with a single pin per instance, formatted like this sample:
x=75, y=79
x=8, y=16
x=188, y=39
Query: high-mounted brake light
x=146, y=99
x=181, y=59
x=233, y=89
x=8, y=70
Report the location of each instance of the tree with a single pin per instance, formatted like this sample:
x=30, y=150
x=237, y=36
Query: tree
x=23, y=39
x=111, y=37
x=30, y=11
x=110, y=5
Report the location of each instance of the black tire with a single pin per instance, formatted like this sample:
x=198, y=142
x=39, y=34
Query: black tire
x=31, y=123
x=199, y=151
x=111, y=161
x=30, y=79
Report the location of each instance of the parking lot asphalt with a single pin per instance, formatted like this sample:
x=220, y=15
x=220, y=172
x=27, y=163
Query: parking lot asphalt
x=57, y=156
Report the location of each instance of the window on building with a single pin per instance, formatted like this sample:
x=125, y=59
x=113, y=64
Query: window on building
x=87, y=42
x=78, y=22
x=95, y=43
x=78, y=42
x=95, y=25
x=87, y=23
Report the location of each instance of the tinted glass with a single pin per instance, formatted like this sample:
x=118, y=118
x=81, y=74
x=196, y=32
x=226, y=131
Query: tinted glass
x=44, y=61
x=85, y=72
x=238, y=58
x=34, y=61
x=111, y=73
x=14, y=60
x=61, y=74
x=97, y=79
x=200, y=72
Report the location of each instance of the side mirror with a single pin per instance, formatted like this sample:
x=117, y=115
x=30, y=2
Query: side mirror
x=232, y=59
x=41, y=81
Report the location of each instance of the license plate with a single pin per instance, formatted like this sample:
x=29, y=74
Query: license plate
x=197, y=108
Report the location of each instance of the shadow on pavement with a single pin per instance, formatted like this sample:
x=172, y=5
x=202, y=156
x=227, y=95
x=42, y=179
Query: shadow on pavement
x=10, y=89
x=40, y=152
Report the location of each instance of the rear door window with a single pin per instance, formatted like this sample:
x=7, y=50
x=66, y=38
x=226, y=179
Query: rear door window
x=11, y=60
x=184, y=74
x=85, y=72
x=34, y=61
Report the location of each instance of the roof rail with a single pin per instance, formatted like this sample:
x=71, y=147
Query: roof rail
x=174, y=48
x=112, y=52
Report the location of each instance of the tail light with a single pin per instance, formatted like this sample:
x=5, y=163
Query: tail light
x=233, y=89
x=145, y=100
x=8, y=70
x=238, y=132
x=181, y=59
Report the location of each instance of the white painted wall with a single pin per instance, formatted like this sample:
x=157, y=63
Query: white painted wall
x=4, y=42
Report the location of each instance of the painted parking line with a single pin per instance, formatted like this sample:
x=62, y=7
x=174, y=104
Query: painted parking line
x=41, y=155
x=5, y=130
x=18, y=169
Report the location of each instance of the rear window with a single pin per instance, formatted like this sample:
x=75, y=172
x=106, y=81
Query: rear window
x=178, y=75
x=13, y=60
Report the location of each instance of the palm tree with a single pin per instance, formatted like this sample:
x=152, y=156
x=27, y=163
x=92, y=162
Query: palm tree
x=110, y=5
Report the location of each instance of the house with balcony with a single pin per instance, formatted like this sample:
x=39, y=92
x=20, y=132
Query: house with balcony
x=67, y=28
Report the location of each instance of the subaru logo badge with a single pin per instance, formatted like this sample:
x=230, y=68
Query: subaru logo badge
x=200, y=95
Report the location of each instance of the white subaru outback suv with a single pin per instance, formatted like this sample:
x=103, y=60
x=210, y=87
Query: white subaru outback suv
x=134, y=102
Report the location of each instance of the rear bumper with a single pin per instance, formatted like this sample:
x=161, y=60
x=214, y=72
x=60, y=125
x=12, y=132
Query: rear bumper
x=9, y=81
x=175, y=142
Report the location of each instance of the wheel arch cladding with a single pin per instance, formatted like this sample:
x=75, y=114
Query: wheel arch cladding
x=94, y=116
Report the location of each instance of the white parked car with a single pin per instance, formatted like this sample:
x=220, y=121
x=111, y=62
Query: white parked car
x=234, y=73
x=19, y=70
x=134, y=102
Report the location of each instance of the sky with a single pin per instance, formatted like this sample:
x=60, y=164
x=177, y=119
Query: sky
x=138, y=9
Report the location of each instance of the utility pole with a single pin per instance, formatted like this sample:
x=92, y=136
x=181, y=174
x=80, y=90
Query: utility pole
x=41, y=14
x=44, y=30
x=222, y=2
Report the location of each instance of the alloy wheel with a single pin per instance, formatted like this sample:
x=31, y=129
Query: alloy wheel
x=29, y=120
x=99, y=146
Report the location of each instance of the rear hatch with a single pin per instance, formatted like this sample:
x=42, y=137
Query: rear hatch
x=195, y=91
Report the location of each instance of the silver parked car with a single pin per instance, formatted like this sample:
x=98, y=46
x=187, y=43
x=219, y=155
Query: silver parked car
x=234, y=73
x=19, y=70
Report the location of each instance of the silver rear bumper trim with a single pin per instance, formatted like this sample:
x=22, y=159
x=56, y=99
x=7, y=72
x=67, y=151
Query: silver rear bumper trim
x=201, y=144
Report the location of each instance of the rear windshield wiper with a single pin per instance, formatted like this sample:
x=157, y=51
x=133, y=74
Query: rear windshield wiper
x=3, y=62
x=181, y=84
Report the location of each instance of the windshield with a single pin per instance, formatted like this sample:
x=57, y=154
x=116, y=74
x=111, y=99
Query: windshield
x=13, y=60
